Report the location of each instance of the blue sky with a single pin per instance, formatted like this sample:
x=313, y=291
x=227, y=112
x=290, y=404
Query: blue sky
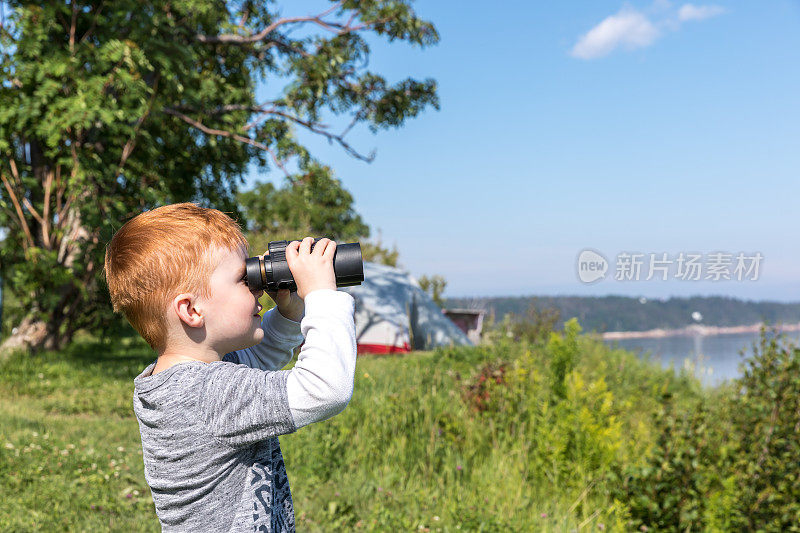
x=651, y=127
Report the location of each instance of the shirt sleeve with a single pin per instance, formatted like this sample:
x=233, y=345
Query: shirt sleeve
x=281, y=337
x=320, y=385
x=240, y=406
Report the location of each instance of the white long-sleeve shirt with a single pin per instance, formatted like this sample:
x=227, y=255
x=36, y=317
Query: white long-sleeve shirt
x=321, y=383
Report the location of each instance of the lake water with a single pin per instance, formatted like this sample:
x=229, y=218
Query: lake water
x=714, y=358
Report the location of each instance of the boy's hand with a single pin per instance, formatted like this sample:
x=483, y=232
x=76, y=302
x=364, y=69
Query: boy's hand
x=311, y=270
x=289, y=304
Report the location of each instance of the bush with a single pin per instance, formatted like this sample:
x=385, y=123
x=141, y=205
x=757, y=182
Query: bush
x=668, y=492
x=726, y=462
x=536, y=325
x=763, y=483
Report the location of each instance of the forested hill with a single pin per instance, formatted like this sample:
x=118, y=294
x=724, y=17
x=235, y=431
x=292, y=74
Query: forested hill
x=620, y=313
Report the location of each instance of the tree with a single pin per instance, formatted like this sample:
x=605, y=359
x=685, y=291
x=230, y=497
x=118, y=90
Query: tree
x=111, y=108
x=434, y=286
x=377, y=253
x=313, y=203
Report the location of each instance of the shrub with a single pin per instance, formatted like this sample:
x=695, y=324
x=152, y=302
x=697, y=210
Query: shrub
x=765, y=470
x=727, y=462
x=536, y=325
x=668, y=492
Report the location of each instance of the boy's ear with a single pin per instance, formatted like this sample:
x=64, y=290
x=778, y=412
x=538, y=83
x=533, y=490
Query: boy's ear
x=184, y=306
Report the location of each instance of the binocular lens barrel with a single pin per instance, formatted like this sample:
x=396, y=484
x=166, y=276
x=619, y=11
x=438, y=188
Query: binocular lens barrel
x=272, y=272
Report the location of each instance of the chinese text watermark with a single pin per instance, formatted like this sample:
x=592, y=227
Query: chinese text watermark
x=592, y=266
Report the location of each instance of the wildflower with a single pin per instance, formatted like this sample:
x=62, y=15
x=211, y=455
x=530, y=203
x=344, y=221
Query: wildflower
x=120, y=449
x=458, y=468
x=366, y=374
x=9, y=446
x=544, y=515
x=436, y=518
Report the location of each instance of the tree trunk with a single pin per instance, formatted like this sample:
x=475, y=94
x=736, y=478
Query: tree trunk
x=29, y=335
x=34, y=334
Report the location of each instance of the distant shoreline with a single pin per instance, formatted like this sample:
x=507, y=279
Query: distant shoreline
x=695, y=330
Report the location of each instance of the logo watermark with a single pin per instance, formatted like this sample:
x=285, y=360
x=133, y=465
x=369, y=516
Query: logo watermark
x=592, y=266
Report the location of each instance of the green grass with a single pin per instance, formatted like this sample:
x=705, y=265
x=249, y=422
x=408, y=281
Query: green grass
x=70, y=452
x=410, y=453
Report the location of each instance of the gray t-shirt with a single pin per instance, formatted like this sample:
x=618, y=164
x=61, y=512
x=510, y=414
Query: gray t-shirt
x=211, y=453
x=209, y=430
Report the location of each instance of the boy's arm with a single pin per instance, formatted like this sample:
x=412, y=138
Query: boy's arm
x=321, y=383
x=281, y=337
x=240, y=405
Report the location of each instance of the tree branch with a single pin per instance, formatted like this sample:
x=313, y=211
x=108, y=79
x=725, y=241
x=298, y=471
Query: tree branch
x=94, y=22
x=48, y=185
x=72, y=28
x=220, y=110
x=32, y=210
x=15, y=172
x=358, y=116
x=18, y=208
x=62, y=211
x=320, y=129
x=311, y=126
x=260, y=36
x=42, y=219
x=224, y=133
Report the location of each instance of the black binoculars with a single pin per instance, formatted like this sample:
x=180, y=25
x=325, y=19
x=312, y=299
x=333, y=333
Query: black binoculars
x=272, y=272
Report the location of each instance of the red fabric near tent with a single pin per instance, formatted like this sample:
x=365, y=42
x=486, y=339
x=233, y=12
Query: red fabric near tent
x=382, y=348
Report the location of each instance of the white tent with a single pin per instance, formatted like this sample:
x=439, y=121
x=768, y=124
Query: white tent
x=393, y=314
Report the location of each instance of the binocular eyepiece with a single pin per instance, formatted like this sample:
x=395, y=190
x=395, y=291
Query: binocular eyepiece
x=272, y=272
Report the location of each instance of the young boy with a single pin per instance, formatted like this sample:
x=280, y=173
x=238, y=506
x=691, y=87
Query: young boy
x=211, y=406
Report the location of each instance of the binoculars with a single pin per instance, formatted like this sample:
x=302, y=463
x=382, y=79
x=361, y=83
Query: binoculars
x=272, y=272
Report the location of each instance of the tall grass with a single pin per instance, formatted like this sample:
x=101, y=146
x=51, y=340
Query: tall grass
x=508, y=436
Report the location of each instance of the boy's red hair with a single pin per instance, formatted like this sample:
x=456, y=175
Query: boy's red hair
x=161, y=253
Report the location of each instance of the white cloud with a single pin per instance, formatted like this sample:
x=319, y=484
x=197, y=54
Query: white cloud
x=628, y=29
x=693, y=12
